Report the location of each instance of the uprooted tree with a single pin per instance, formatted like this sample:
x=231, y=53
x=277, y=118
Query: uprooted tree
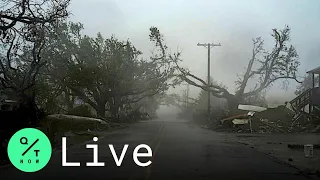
x=265, y=67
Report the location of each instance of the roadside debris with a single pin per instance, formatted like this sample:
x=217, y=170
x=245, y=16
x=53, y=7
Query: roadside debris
x=267, y=120
x=301, y=146
x=308, y=150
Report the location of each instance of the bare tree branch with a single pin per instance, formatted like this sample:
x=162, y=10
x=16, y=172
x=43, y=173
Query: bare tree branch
x=281, y=63
x=23, y=28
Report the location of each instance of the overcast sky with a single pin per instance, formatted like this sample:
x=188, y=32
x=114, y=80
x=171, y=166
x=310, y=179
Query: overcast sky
x=184, y=23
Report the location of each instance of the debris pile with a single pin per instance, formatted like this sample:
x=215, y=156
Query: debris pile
x=273, y=120
x=301, y=146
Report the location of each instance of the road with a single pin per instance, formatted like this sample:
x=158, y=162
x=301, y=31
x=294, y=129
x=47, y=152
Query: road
x=180, y=151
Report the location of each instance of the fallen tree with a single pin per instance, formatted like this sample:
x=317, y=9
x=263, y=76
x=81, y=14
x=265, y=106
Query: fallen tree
x=264, y=67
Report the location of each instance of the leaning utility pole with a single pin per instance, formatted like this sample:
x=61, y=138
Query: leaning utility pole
x=208, y=46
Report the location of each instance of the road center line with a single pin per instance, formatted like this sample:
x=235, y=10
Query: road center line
x=155, y=152
x=159, y=136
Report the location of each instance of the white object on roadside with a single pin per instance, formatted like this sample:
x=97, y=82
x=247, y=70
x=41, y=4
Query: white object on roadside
x=251, y=108
x=72, y=117
x=240, y=121
x=250, y=113
x=308, y=150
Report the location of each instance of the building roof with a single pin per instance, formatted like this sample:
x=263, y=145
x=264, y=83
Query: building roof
x=315, y=70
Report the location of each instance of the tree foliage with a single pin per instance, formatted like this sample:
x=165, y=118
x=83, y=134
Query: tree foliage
x=24, y=26
x=21, y=16
x=215, y=102
x=105, y=73
x=23, y=29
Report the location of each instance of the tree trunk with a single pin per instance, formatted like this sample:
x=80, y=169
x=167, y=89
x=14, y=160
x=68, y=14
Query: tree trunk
x=69, y=102
x=114, y=107
x=233, y=103
x=101, y=110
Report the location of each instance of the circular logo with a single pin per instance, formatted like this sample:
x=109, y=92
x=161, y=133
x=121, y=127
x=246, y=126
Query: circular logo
x=29, y=150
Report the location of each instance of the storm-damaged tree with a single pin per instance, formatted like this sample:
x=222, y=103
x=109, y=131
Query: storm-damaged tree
x=202, y=99
x=182, y=102
x=173, y=99
x=61, y=52
x=23, y=27
x=144, y=109
x=264, y=67
x=21, y=16
x=106, y=74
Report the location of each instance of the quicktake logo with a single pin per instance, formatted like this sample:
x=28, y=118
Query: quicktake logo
x=30, y=150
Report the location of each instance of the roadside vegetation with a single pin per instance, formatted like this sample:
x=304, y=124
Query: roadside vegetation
x=49, y=67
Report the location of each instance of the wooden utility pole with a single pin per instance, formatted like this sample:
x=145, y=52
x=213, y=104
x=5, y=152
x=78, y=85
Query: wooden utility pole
x=187, y=96
x=183, y=98
x=208, y=46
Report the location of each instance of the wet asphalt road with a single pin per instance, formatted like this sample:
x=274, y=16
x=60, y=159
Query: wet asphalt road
x=180, y=151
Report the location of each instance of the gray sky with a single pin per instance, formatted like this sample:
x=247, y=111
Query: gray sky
x=184, y=23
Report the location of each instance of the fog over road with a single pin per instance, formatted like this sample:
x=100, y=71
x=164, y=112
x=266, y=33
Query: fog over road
x=180, y=151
